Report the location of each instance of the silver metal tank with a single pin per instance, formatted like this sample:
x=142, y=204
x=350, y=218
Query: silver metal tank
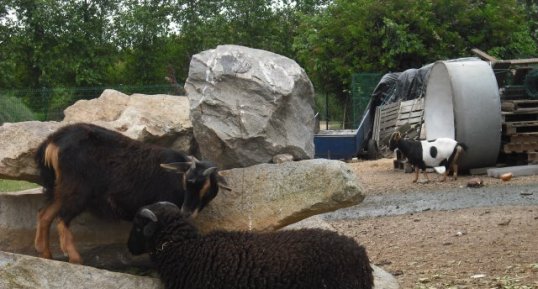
x=462, y=102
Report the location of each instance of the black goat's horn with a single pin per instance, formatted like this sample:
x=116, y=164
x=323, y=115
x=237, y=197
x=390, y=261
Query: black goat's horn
x=179, y=167
x=223, y=186
x=147, y=213
x=209, y=171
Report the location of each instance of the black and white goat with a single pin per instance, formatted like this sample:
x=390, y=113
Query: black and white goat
x=300, y=259
x=84, y=166
x=441, y=154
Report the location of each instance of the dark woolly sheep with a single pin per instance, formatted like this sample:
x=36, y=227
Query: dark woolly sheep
x=300, y=259
x=441, y=152
x=84, y=166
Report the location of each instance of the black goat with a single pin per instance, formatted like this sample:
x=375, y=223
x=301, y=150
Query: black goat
x=441, y=152
x=84, y=166
x=300, y=259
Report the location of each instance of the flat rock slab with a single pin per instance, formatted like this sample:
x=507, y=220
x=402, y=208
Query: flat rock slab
x=26, y=272
x=517, y=171
x=271, y=196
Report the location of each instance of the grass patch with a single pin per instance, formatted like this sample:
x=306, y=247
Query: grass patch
x=13, y=186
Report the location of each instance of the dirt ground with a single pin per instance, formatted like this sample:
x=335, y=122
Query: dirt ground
x=493, y=247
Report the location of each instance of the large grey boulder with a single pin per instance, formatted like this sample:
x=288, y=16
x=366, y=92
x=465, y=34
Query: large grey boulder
x=248, y=105
x=160, y=119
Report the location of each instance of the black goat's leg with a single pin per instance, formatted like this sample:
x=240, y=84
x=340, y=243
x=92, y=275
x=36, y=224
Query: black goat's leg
x=67, y=243
x=45, y=217
x=416, y=175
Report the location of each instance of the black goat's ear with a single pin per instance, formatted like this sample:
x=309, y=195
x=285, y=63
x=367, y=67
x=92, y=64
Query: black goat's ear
x=179, y=167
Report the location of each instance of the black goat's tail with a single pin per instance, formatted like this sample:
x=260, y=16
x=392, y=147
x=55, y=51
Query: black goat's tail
x=46, y=158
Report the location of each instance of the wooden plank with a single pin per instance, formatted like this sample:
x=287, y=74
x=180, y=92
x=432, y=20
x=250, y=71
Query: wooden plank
x=518, y=61
x=410, y=109
x=520, y=106
x=407, y=115
x=511, y=128
x=532, y=158
x=389, y=111
x=376, y=124
x=483, y=55
x=520, y=147
x=521, y=123
x=524, y=101
x=524, y=138
x=388, y=124
x=415, y=120
x=508, y=106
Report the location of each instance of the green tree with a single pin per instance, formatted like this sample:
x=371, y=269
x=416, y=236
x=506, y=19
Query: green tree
x=62, y=43
x=142, y=31
x=394, y=35
x=7, y=64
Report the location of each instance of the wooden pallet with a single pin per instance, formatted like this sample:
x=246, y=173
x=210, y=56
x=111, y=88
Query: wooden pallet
x=513, y=92
x=532, y=158
x=520, y=106
x=518, y=127
x=518, y=116
x=389, y=117
x=521, y=143
x=520, y=147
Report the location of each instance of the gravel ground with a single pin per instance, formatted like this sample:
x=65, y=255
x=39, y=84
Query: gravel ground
x=488, y=242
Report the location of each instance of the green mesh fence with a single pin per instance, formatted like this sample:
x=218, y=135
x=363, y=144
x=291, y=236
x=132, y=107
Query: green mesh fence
x=362, y=86
x=49, y=103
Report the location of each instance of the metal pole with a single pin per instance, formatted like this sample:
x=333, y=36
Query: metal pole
x=326, y=110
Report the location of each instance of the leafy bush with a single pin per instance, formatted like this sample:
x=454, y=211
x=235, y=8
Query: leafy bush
x=336, y=109
x=14, y=186
x=12, y=109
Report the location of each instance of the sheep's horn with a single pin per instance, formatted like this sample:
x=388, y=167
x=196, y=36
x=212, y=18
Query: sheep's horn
x=147, y=213
x=165, y=203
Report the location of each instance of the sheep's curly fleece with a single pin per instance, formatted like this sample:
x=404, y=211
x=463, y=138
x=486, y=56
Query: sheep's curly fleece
x=306, y=258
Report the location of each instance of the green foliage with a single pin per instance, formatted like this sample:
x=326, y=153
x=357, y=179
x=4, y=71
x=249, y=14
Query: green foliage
x=14, y=186
x=336, y=108
x=62, y=43
x=395, y=35
x=14, y=110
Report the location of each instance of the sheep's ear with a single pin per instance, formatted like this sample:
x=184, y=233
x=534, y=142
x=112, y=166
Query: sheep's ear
x=179, y=167
x=149, y=229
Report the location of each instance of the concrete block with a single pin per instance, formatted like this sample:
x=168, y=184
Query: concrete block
x=517, y=171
